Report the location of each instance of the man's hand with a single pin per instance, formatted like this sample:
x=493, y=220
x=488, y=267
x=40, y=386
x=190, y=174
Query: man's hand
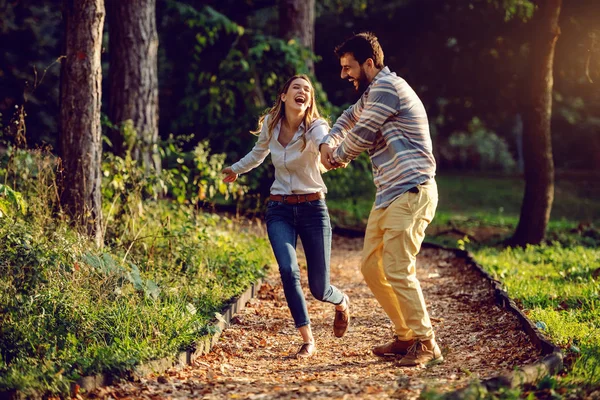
x=231, y=176
x=327, y=156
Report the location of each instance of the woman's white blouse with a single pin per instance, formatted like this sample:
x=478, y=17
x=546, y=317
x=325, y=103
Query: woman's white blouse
x=296, y=171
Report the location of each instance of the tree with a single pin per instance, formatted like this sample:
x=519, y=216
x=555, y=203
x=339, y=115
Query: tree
x=537, y=144
x=133, y=77
x=297, y=21
x=80, y=100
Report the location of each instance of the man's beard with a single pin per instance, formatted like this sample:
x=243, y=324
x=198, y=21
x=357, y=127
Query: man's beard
x=363, y=81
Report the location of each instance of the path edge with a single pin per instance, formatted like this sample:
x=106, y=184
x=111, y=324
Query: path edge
x=200, y=347
x=551, y=359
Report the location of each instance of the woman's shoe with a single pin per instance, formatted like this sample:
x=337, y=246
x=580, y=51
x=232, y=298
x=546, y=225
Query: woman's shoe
x=306, y=350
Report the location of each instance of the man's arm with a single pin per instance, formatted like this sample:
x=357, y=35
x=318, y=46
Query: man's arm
x=381, y=103
x=344, y=124
x=338, y=133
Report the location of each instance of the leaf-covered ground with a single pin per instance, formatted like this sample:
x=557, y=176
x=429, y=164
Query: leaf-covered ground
x=254, y=357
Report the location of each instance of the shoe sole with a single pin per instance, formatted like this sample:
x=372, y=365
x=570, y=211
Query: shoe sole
x=389, y=354
x=428, y=364
x=435, y=361
x=305, y=357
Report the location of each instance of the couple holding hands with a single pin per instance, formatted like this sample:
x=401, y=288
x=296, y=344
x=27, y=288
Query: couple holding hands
x=389, y=122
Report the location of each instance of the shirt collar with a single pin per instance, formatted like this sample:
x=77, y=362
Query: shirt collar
x=383, y=73
x=299, y=132
x=300, y=127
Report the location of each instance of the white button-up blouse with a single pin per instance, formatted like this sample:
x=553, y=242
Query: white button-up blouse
x=297, y=171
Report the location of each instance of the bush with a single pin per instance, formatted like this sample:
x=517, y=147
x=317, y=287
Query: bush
x=479, y=148
x=69, y=309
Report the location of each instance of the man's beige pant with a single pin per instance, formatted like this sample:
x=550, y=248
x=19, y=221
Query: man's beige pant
x=392, y=241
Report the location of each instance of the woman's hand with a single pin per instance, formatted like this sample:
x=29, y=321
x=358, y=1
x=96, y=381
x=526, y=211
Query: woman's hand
x=231, y=176
x=327, y=156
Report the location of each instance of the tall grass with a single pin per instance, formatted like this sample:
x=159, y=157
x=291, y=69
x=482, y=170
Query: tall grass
x=68, y=308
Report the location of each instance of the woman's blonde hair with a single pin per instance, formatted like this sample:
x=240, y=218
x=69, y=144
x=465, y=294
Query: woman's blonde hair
x=277, y=112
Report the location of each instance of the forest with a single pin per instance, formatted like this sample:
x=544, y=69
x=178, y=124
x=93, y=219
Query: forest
x=120, y=243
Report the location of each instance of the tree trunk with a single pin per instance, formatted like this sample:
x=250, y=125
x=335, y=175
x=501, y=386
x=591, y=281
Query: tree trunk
x=133, y=77
x=537, y=144
x=80, y=99
x=297, y=21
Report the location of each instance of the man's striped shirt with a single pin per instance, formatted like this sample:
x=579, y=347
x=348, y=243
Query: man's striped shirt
x=390, y=122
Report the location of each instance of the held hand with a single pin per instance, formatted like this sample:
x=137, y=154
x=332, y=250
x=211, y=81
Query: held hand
x=327, y=156
x=340, y=165
x=231, y=176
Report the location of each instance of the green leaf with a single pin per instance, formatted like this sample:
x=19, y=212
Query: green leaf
x=152, y=289
x=135, y=277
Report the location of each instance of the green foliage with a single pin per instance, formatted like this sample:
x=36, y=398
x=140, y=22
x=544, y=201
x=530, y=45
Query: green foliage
x=68, y=309
x=522, y=9
x=479, y=148
x=338, y=6
x=188, y=177
x=195, y=176
x=227, y=85
x=11, y=201
x=353, y=182
x=31, y=183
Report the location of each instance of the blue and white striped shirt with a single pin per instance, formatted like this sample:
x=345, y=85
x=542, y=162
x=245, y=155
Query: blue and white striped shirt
x=390, y=122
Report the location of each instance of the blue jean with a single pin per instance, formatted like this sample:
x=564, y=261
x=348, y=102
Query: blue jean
x=310, y=221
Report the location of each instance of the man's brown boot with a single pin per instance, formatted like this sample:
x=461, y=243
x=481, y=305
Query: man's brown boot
x=342, y=319
x=421, y=353
x=393, y=348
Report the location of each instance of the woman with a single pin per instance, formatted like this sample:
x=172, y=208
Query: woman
x=292, y=131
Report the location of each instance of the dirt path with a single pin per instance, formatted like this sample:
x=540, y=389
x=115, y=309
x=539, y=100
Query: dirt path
x=254, y=358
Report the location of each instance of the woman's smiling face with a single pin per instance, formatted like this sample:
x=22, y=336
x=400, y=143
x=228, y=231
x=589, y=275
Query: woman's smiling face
x=298, y=96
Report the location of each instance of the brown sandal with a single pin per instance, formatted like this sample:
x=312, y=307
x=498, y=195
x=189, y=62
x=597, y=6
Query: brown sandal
x=306, y=350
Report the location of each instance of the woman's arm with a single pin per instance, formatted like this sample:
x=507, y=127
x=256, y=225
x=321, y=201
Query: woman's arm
x=317, y=131
x=256, y=156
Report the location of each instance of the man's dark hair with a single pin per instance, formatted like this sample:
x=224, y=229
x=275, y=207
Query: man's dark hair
x=363, y=45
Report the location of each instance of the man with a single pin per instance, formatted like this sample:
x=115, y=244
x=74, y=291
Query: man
x=390, y=123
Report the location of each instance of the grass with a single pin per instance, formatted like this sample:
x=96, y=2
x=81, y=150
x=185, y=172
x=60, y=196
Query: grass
x=469, y=200
x=69, y=309
x=557, y=284
x=559, y=290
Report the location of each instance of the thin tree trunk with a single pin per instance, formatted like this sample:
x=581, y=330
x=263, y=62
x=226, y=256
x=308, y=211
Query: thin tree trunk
x=297, y=21
x=80, y=99
x=133, y=76
x=537, y=143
